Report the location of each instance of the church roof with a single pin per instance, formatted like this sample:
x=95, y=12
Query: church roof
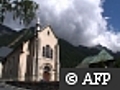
x=102, y=56
x=29, y=34
x=4, y=51
x=88, y=60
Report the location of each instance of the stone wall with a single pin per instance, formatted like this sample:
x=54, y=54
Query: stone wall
x=36, y=85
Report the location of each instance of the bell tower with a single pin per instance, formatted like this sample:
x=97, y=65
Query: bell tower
x=36, y=50
x=46, y=61
x=48, y=55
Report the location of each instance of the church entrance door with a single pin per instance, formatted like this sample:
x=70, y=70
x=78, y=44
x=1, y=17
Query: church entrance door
x=47, y=74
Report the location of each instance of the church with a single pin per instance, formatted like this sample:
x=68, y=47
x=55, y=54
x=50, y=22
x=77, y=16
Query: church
x=36, y=59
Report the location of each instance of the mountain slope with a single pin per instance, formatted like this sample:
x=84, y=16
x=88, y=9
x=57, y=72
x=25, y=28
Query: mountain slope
x=70, y=56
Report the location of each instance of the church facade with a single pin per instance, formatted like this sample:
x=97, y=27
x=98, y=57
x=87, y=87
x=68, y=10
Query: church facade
x=35, y=59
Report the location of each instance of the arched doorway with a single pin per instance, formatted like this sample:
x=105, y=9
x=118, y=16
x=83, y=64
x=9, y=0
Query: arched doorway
x=46, y=74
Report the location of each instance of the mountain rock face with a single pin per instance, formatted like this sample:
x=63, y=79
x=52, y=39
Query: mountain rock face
x=70, y=56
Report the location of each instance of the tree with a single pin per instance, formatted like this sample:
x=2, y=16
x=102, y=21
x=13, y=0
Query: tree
x=24, y=10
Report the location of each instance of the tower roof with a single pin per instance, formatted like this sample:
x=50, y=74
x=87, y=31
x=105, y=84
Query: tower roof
x=38, y=26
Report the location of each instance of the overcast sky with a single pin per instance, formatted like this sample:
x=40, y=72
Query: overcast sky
x=78, y=21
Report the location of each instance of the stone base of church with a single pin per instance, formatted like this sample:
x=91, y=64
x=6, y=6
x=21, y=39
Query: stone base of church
x=35, y=85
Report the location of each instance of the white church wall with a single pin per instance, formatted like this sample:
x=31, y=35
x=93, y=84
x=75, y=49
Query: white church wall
x=23, y=61
x=47, y=38
x=1, y=67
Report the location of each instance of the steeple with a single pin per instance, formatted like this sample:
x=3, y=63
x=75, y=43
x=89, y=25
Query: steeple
x=38, y=24
x=35, y=62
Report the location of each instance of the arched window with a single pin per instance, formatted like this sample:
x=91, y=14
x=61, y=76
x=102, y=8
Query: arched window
x=44, y=52
x=47, y=68
x=47, y=52
x=51, y=53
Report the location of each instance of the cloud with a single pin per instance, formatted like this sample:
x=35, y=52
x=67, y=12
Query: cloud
x=79, y=22
x=107, y=18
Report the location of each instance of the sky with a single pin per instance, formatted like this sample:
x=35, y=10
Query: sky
x=80, y=22
x=112, y=10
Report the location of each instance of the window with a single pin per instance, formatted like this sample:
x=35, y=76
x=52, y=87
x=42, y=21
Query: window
x=43, y=51
x=51, y=53
x=48, y=32
x=46, y=68
x=10, y=71
x=47, y=52
x=13, y=58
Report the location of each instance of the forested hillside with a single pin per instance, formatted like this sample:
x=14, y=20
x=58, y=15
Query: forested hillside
x=70, y=56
